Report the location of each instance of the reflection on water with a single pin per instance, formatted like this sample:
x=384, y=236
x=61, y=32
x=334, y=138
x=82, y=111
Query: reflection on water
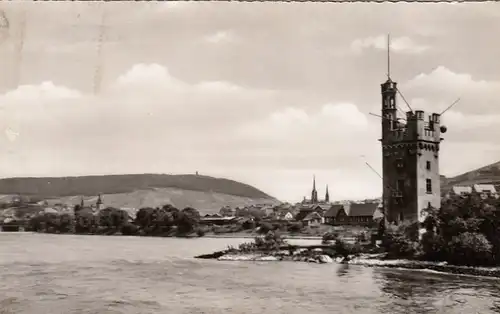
x=90, y=274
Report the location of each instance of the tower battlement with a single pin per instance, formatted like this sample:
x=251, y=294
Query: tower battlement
x=419, y=125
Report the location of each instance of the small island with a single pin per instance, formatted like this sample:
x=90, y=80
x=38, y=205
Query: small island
x=462, y=237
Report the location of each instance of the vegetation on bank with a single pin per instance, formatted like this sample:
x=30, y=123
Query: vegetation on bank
x=464, y=231
x=165, y=221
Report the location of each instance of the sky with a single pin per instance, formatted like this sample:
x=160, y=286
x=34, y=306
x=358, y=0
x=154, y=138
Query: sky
x=268, y=94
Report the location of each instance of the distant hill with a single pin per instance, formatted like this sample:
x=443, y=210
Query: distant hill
x=140, y=190
x=488, y=174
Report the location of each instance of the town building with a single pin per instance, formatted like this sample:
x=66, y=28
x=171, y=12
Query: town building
x=331, y=214
x=458, y=190
x=362, y=214
x=313, y=219
x=485, y=191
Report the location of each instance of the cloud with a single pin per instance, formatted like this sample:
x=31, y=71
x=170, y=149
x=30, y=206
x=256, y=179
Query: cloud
x=218, y=86
x=443, y=79
x=294, y=123
x=439, y=88
x=147, y=75
x=220, y=37
x=145, y=107
x=324, y=137
x=398, y=45
x=46, y=91
x=151, y=121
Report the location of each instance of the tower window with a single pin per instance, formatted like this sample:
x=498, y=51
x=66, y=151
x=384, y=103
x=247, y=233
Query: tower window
x=428, y=165
x=401, y=185
x=428, y=185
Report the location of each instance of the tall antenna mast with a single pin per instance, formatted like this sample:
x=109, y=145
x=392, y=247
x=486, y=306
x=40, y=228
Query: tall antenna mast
x=19, y=51
x=389, y=56
x=99, y=65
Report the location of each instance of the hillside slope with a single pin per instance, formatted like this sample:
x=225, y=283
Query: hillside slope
x=113, y=184
x=487, y=174
x=204, y=193
x=205, y=202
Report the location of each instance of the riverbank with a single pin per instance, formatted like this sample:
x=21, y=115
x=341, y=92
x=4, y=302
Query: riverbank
x=365, y=260
x=442, y=267
x=324, y=254
x=238, y=235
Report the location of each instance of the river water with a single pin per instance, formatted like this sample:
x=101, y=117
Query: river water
x=65, y=274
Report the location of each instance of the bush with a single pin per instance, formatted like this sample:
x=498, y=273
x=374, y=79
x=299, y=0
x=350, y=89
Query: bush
x=248, y=225
x=345, y=249
x=265, y=227
x=295, y=227
x=397, y=241
x=200, y=232
x=129, y=229
x=433, y=246
x=271, y=241
x=329, y=237
x=470, y=249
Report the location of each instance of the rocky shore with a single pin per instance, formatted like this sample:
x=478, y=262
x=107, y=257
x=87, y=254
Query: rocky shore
x=443, y=267
x=319, y=256
x=314, y=255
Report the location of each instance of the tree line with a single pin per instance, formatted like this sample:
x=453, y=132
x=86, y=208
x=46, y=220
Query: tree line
x=160, y=221
x=464, y=231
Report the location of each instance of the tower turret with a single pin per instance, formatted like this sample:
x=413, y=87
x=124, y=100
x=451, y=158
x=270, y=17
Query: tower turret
x=389, y=105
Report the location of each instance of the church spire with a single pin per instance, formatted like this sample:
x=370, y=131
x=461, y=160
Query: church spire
x=327, y=195
x=98, y=204
x=314, y=193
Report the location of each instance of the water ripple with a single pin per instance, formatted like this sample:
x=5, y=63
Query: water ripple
x=90, y=274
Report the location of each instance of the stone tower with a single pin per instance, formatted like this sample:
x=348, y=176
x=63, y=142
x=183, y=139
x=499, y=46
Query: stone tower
x=410, y=160
x=314, y=193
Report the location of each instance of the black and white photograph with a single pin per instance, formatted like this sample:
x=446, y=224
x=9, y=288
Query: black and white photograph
x=189, y=157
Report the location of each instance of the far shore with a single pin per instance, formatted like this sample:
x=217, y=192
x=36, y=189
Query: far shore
x=238, y=235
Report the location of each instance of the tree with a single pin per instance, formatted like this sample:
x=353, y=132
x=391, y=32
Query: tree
x=144, y=217
x=397, y=241
x=119, y=217
x=471, y=249
x=329, y=237
x=66, y=223
x=465, y=230
x=86, y=221
x=265, y=227
x=295, y=227
x=187, y=220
